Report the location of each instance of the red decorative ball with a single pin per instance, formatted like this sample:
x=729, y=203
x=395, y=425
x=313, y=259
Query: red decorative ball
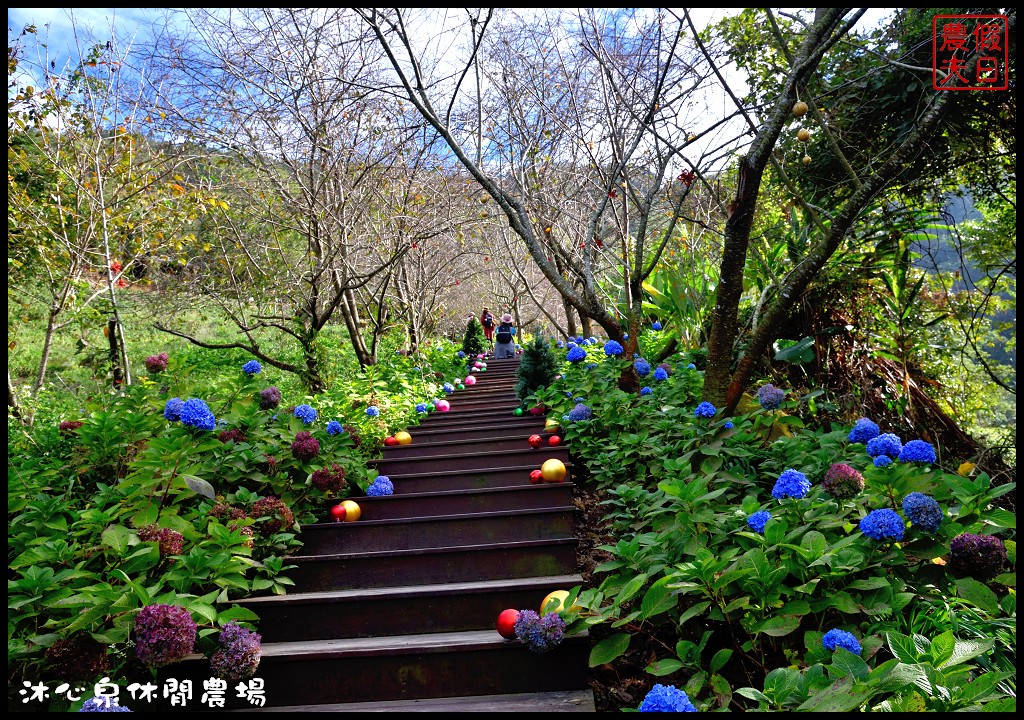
x=535, y=441
x=536, y=476
x=390, y=441
x=338, y=512
x=554, y=441
x=507, y=623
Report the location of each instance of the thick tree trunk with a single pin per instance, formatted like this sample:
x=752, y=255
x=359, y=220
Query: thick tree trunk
x=350, y=312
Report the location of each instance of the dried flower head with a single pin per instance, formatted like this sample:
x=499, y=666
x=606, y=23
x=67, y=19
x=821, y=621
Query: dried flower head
x=164, y=634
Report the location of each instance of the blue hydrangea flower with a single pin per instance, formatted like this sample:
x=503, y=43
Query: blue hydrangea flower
x=770, y=396
x=460, y=354
x=705, y=410
x=612, y=348
x=195, y=413
x=625, y=336
x=885, y=444
x=691, y=366
x=579, y=338
x=666, y=698
x=540, y=634
x=918, y=451
x=863, y=431
x=728, y=425
x=758, y=520
x=448, y=388
x=791, y=483
x=884, y=524
x=373, y=411
x=646, y=390
x=580, y=412
x=656, y=325
x=571, y=344
x=103, y=704
x=252, y=367
x=334, y=428
x=642, y=367
x=305, y=413
x=559, y=344
x=660, y=374
x=579, y=399
x=590, y=366
x=576, y=354
x=416, y=368
x=882, y=461
x=834, y=639
x=381, y=486
x=421, y=408
x=172, y=410
x=922, y=511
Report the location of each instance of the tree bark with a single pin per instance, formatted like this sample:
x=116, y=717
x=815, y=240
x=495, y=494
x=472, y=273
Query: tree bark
x=51, y=323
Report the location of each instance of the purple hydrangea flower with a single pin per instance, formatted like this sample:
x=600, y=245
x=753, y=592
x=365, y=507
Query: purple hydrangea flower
x=540, y=634
x=981, y=556
x=770, y=396
x=239, y=655
x=381, y=486
x=864, y=430
x=660, y=374
x=103, y=704
x=884, y=524
x=329, y=479
x=172, y=410
x=885, y=444
x=252, y=367
x=334, y=428
x=791, y=483
x=918, y=451
x=576, y=354
x=842, y=481
x=197, y=414
x=305, y=413
x=581, y=412
x=923, y=511
x=270, y=398
x=666, y=698
x=156, y=364
x=834, y=639
x=705, y=410
x=305, y=447
x=164, y=634
x=612, y=348
x=758, y=520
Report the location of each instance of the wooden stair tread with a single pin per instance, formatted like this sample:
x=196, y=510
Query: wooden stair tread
x=422, y=551
x=565, y=701
x=412, y=590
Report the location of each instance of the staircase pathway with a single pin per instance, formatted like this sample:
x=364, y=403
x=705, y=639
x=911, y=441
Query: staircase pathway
x=397, y=611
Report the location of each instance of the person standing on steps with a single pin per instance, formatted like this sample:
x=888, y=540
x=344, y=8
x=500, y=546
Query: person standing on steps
x=487, y=320
x=505, y=336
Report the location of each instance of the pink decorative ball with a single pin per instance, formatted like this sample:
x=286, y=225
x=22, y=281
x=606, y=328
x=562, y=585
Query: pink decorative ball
x=471, y=380
x=442, y=406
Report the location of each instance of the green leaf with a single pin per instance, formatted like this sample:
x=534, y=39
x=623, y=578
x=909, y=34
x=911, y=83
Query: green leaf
x=843, y=602
x=780, y=626
x=979, y=594
x=693, y=611
x=116, y=538
x=200, y=486
x=720, y=659
x=1000, y=518
x=666, y=666
x=845, y=663
x=902, y=647
x=965, y=650
x=658, y=599
x=237, y=614
x=608, y=649
x=780, y=683
x=800, y=352
x=840, y=696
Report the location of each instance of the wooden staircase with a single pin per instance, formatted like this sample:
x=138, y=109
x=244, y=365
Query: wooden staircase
x=397, y=611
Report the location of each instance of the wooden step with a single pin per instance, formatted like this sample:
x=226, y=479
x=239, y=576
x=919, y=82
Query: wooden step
x=403, y=610
x=439, y=424
x=397, y=467
x=513, y=476
x=456, y=502
x=547, y=702
x=461, y=563
x=437, y=531
x=513, y=439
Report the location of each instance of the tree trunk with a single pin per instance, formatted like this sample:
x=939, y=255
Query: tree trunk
x=51, y=324
x=116, y=368
x=13, y=404
x=312, y=374
x=586, y=325
x=350, y=311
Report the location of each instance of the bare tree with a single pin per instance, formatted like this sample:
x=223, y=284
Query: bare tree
x=577, y=137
